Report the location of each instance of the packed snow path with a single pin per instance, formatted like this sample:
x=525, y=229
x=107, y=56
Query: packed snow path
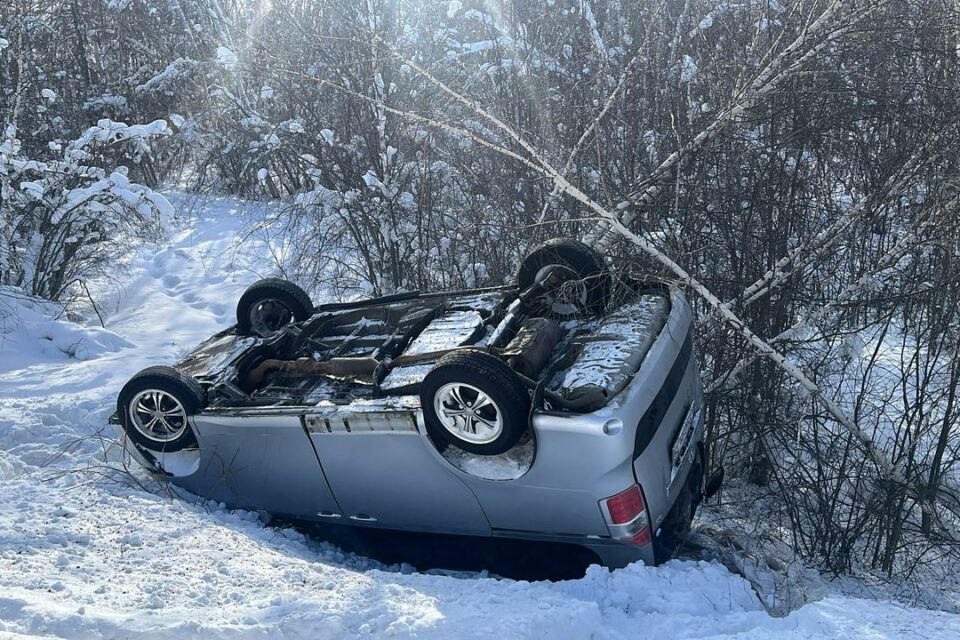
x=86, y=552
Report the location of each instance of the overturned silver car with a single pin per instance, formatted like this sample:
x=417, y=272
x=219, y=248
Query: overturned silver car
x=566, y=408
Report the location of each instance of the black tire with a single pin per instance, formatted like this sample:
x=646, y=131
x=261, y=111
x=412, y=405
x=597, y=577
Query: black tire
x=586, y=263
x=677, y=523
x=287, y=303
x=160, y=387
x=471, y=370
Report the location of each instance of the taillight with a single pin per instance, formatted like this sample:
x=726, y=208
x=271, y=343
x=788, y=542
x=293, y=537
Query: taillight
x=626, y=515
x=625, y=506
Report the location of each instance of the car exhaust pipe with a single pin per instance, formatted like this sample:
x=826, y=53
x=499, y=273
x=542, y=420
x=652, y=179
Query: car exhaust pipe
x=361, y=369
x=585, y=400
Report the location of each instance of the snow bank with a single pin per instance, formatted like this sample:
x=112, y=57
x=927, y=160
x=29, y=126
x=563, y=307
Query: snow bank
x=128, y=563
x=32, y=330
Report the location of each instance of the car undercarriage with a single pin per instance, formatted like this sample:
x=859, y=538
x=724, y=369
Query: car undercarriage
x=383, y=348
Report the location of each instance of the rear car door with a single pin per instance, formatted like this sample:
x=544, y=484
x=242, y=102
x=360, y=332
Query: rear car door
x=385, y=473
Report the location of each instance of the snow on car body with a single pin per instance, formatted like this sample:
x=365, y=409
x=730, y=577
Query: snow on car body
x=597, y=443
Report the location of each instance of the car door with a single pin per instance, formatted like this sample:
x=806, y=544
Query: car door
x=260, y=461
x=385, y=473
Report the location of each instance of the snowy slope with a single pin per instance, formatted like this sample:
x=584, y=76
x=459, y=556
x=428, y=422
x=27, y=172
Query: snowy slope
x=88, y=552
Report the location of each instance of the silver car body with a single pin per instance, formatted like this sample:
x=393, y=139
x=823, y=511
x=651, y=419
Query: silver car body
x=373, y=464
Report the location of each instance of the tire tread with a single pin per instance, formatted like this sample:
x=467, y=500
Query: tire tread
x=572, y=253
x=301, y=309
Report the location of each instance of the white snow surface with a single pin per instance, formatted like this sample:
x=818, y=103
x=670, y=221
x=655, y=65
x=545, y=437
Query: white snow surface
x=624, y=335
x=446, y=332
x=509, y=465
x=88, y=552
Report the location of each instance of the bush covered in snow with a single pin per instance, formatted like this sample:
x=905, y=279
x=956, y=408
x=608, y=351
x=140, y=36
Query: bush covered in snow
x=62, y=220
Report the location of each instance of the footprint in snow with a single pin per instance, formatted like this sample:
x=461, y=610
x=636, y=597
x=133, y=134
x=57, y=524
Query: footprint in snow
x=159, y=263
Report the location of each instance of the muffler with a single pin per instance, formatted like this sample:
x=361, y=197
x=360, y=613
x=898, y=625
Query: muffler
x=532, y=346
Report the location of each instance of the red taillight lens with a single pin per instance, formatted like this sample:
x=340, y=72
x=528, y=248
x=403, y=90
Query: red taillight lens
x=642, y=537
x=626, y=515
x=625, y=506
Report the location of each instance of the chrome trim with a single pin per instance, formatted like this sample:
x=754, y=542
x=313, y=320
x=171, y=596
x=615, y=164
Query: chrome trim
x=629, y=529
x=362, y=422
x=362, y=517
x=468, y=413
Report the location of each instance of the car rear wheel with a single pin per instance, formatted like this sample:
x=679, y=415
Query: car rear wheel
x=473, y=400
x=269, y=305
x=154, y=407
x=578, y=277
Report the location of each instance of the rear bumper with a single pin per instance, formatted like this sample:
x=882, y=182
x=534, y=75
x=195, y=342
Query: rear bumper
x=616, y=555
x=612, y=553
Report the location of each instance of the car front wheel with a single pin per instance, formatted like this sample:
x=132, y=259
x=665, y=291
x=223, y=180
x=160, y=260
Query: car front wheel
x=154, y=407
x=269, y=305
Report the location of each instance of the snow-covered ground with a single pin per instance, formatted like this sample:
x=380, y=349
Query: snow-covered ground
x=90, y=552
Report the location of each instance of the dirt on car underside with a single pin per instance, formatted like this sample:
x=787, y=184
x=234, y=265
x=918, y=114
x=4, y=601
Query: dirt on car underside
x=402, y=337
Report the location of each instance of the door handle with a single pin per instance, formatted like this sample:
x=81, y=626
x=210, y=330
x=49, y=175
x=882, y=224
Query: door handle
x=330, y=514
x=362, y=517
